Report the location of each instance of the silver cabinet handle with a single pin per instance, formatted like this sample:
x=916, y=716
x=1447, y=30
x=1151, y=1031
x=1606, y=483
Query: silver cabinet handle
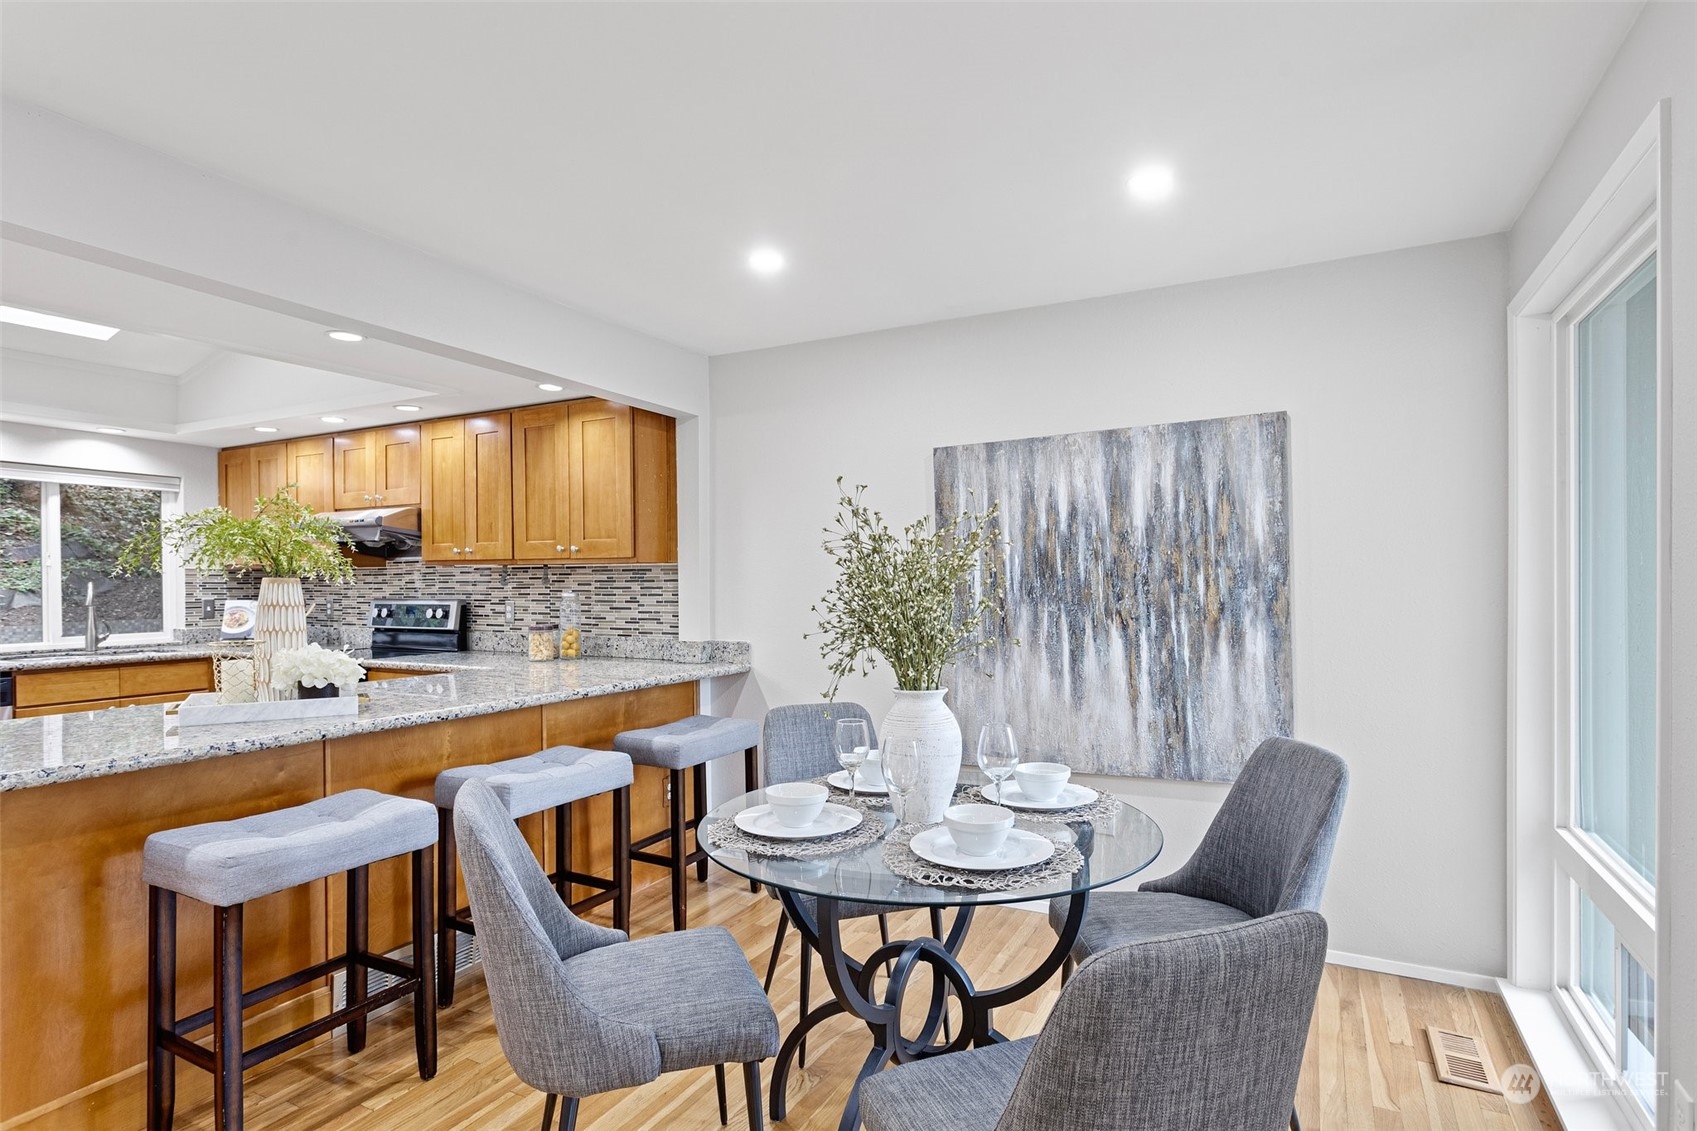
x=559, y=549
x=456, y=549
x=574, y=549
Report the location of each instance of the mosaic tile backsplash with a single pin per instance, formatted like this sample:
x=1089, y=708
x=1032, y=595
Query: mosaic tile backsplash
x=631, y=600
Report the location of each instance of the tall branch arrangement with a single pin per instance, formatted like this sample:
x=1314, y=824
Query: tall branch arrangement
x=920, y=598
x=284, y=538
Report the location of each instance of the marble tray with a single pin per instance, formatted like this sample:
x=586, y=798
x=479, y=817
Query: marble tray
x=202, y=708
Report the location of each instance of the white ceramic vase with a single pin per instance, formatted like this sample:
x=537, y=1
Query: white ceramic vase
x=923, y=716
x=278, y=626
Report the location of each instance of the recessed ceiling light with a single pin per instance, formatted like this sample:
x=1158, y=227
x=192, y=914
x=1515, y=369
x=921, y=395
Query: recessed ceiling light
x=111, y=431
x=57, y=324
x=263, y=428
x=344, y=335
x=547, y=388
x=766, y=261
x=407, y=408
x=334, y=419
x=1151, y=184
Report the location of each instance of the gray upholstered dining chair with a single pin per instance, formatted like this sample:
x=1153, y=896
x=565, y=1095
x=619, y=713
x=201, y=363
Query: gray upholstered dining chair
x=1198, y=1031
x=1268, y=849
x=798, y=743
x=580, y=1009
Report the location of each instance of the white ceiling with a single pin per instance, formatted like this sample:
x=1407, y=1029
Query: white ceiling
x=127, y=349
x=916, y=161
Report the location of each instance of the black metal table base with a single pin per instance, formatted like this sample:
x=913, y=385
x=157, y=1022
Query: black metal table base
x=852, y=982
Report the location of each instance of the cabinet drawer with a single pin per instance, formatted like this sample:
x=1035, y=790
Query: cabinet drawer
x=159, y=678
x=68, y=685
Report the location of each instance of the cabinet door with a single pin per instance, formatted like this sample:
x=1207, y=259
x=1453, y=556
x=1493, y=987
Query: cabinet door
x=540, y=510
x=270, y=469
x=395, y=466
x=310, y=470
x=603, y=507
x=235, y=481
x=489, y=486
x=442, y=465
x=353, y=452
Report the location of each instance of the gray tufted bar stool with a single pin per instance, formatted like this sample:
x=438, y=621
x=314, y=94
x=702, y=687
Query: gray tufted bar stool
x=225, y=864
x=688, y=745
x=552, y=779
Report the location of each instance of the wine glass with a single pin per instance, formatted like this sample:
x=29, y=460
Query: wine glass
x=998, y=754
x=901, y=771
x=854, y=743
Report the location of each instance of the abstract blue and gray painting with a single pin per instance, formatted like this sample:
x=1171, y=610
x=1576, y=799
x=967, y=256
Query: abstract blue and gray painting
x=1148, y=574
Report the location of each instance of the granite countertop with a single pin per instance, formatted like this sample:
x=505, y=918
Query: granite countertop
x=48, y=659
x=58, y=748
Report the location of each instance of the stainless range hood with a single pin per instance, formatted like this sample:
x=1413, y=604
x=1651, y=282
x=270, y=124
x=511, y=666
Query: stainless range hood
x=384, y=532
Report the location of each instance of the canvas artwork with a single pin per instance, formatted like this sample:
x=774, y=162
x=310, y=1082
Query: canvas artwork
x=1148, y=574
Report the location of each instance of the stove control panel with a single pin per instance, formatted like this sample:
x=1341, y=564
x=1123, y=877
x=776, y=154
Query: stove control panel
x=430, y=615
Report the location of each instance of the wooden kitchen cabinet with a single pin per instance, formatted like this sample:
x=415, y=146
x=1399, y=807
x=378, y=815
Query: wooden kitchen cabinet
x=585, y=480
x=467, y=501
x=599, y=480
x=541, y=501
x=235, y=481
x=377, y=468
x=310, y=471
x=62, y=691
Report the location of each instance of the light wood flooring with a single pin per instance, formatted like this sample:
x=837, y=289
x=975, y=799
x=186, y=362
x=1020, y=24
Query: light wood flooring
x=1367, y=1067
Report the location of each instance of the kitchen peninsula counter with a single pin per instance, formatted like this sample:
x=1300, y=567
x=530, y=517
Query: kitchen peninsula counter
x=70, y=747
x=81, y=792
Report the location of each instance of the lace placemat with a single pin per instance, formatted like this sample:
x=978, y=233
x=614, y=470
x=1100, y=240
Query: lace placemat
x=726, y=834
x=899, y=857
x=1105, y=805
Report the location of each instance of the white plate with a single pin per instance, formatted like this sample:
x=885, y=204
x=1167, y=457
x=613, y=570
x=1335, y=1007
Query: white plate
x=760, y=820
x=1071, y=796
x=840, y=779
x=1021, y=848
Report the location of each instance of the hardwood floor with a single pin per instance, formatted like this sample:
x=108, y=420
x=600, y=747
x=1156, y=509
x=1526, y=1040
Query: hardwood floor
x=1367, y=1067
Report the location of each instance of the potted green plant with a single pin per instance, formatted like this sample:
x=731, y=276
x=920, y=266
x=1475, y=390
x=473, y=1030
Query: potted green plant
x=284, y=542
x=920, y=599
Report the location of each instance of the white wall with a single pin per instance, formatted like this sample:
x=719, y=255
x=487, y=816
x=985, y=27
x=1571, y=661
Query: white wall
x=1391, y=367
x=197, y=467
x=1657, y=61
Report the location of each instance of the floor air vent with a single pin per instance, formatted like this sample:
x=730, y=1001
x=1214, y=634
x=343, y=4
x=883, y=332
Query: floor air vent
x=1461, y=1059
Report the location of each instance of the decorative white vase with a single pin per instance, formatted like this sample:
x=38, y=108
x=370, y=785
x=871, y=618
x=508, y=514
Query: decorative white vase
x=924, y=717
x=279, y=625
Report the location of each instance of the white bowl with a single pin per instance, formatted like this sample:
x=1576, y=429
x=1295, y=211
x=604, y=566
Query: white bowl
x=978, y=830
x=871, y=774
x=1041, y=781
x=797, y=804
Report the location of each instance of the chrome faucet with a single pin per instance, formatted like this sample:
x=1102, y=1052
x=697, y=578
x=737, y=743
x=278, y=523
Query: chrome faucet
x=92, y=637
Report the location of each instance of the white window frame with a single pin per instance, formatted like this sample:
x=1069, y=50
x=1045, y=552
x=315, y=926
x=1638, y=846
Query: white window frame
x=1620, y=226
x=52, y=479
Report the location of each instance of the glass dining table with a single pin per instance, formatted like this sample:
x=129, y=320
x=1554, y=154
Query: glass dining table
x=1113, y=839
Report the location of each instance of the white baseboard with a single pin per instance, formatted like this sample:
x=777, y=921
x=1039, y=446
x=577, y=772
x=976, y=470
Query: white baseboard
x=1413, y=970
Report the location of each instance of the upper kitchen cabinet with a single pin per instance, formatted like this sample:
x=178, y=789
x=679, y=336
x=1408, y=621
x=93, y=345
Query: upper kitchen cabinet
x=378, y=467
x=600, y=478
x=467, y=498
x=593, y=480
x=245, y=474
x=309, y=469
x=235, y=481
x=541, y=511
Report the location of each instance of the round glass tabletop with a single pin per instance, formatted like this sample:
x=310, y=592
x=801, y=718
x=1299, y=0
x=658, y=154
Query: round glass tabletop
x=1114, y=846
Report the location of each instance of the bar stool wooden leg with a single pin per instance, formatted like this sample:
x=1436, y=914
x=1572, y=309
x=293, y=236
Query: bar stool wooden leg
x=680, y=854
x=358, y=932
x=424, y=994
x=750, y=783
x=227, y=1017
x=699, y=776
x=563, y=852
x=447, y=903
x=161, y=1007
x=621, y=858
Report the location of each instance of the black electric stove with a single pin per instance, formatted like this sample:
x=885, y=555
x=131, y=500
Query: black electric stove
x=419, y=627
